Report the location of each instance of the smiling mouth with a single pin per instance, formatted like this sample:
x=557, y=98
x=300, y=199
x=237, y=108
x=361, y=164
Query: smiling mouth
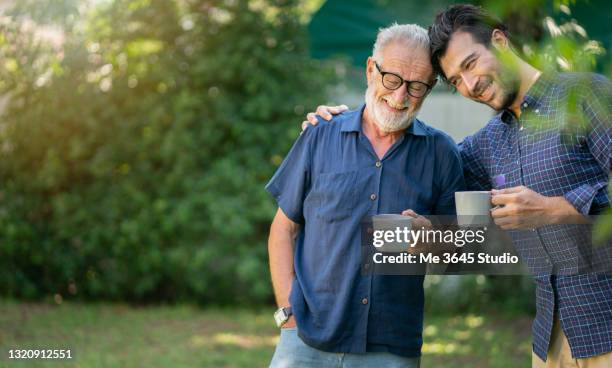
x=398, y=107
x=484, y=92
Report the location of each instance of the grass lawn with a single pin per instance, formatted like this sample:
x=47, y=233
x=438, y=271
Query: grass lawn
x=107, y=335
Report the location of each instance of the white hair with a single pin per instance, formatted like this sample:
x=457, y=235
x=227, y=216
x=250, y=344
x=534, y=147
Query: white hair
x=411, y=34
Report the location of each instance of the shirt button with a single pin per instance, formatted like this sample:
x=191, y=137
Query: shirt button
x=364, y=301
x=366, y=266
x=525, y=104
x=373, y=197
x=537, y=111
x=378, y=164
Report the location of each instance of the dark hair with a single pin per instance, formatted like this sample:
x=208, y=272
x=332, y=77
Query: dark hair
x=461, y=17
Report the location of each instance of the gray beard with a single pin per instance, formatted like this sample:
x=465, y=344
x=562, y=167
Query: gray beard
x=387, y=122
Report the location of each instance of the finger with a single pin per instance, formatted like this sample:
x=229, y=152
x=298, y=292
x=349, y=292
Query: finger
x=338, y=109
x=323, y=111
x=505, y=223
x=312, y=118
x=505, y=211
x=507, y=190
x=410, y=213
x=502, y=199
x=305, y=125
x=422, y=222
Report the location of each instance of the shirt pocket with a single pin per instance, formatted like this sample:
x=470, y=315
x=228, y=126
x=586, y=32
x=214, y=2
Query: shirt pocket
x=336, y=193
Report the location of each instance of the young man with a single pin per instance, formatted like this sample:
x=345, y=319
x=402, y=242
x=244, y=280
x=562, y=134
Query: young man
x=552, y=145
x=546, y=159
x=377, y=159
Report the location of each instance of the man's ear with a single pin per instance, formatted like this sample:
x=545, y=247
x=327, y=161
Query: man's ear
x=499, y=40
x=369, y=68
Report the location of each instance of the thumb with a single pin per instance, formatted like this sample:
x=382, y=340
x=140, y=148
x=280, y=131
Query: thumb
x=409, y=213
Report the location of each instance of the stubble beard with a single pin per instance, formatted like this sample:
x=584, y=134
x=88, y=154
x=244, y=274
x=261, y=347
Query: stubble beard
x=509, y=81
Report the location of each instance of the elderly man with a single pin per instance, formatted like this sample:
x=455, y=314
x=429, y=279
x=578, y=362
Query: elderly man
x=546, y=159
x=377, y=159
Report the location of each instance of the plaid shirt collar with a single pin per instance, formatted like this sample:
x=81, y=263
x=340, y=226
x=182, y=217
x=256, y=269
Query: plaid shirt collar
x=536, y=98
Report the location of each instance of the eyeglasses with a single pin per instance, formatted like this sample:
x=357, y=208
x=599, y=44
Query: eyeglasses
x=393, y=81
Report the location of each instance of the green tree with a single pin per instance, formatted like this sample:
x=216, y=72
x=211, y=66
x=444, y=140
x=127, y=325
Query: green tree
x=136, y=147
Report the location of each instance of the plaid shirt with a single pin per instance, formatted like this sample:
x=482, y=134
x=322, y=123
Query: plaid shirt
x=560, y=146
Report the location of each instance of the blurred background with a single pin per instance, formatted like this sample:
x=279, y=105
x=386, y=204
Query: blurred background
x=136, y=137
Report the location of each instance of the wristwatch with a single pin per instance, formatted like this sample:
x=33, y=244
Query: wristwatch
x=282, y=315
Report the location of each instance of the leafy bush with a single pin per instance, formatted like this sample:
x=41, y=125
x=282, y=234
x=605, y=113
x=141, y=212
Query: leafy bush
x=136, y=140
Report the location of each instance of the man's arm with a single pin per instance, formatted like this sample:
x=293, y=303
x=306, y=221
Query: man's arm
x=522, y=208
x=595, y=114
x=281, y=243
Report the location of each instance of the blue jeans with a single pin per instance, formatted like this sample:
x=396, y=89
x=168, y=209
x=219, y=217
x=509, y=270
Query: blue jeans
x=292, y=352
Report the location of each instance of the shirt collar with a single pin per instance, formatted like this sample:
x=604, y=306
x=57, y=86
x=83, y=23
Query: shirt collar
x=535, y=98
x=538, y=93
x=417, y=128
x=353, y=124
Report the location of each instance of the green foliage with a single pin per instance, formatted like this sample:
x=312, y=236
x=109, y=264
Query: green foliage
x=548, y=36
x=136, y=143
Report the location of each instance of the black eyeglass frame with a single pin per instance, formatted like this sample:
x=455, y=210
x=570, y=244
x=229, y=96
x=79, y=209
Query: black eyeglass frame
x=408, y=82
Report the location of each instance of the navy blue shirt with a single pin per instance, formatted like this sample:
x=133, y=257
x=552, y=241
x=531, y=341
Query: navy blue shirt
x=329, y=181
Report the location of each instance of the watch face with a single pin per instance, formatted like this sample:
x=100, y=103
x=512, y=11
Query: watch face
x=280, y=317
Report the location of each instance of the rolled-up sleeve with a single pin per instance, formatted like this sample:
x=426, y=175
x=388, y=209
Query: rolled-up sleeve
x=291, y=182
x=582, y=198
x=596, y=108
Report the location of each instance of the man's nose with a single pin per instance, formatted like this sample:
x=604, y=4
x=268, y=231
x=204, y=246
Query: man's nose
x=401, y=94
x=470, y=82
